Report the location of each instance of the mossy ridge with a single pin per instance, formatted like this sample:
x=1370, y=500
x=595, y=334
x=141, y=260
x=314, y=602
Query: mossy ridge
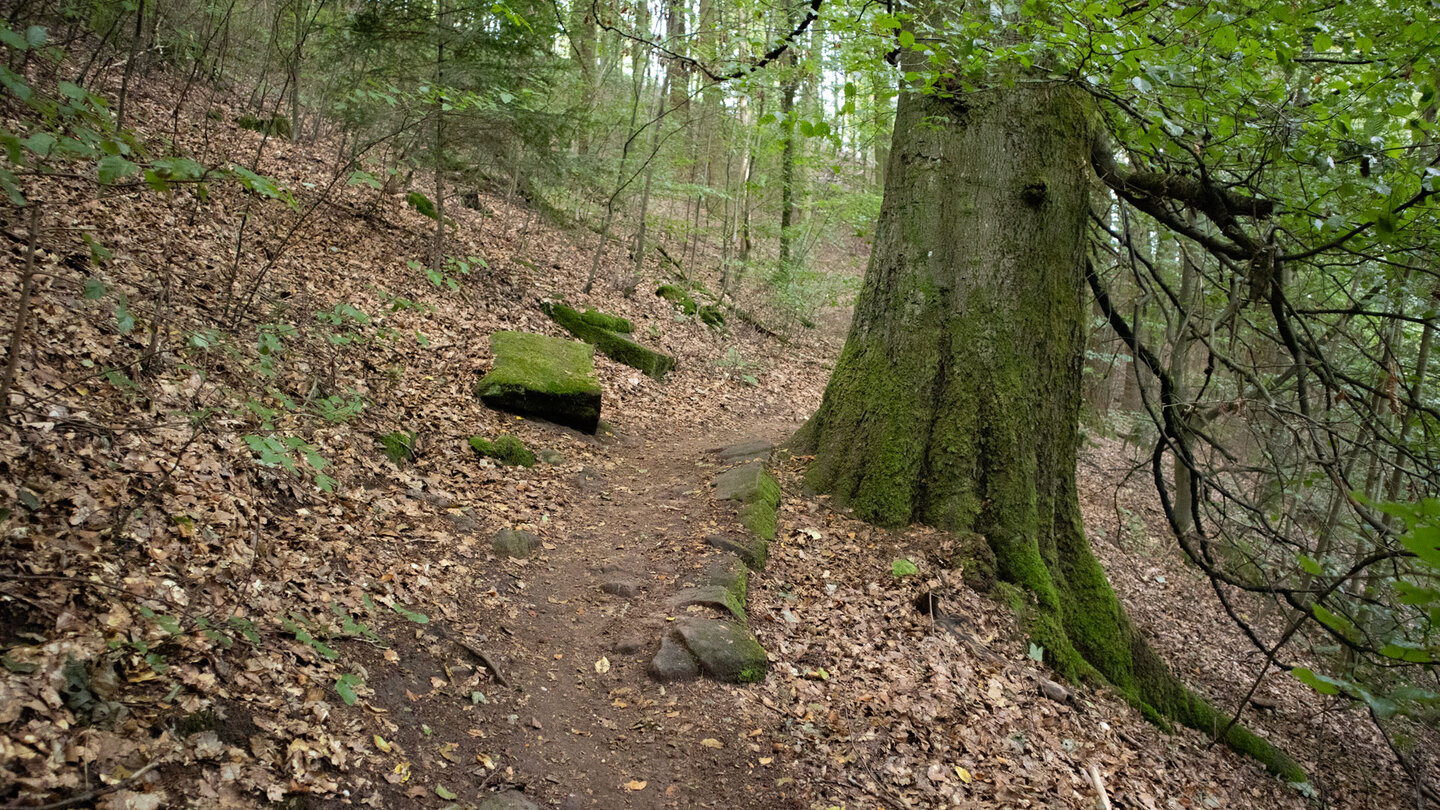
x=544, y=376
x=962, y=413
x=506, y=449
x=618, y=348
x=614, y=323
x=277, y=125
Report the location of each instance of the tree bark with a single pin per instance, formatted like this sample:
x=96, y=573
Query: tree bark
x=955, y=401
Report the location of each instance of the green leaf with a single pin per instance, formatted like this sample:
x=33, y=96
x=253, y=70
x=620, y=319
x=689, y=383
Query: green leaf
x=13, y=39
x=1406, y=652
x=907, y=39
x=443, y=793
x=1424, y=542
x=114, y=167
x=35, y=36
x=345, y=687
x=1320, y=683
x=903, y=568
x=41, y=143
x=362, y=178
x=124, y=321
x=418, y=618
x=94, y=289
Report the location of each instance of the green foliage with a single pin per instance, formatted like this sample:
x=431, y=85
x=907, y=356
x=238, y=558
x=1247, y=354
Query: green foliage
x=288, y=453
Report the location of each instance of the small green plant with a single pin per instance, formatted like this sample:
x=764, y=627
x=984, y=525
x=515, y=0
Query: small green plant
x=339, y=408
x=287, y=452
x=737, y=367
x=398, y=446
x=903, y=567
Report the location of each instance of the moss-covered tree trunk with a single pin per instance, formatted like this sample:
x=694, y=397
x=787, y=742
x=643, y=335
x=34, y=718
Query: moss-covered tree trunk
x=955, y=401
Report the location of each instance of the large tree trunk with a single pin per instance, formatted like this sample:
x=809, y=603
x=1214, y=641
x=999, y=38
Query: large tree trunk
x=955, y=401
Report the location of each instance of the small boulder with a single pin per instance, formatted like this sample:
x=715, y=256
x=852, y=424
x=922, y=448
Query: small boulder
x=515, y=543
x=753, y=551
x=726, y=650
x=624, y=588
x=747, y=483
x=542, y=376
x=713, y=596
x=674, y=662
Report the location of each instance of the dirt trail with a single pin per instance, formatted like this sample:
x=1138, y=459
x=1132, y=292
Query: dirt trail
x=581, y=724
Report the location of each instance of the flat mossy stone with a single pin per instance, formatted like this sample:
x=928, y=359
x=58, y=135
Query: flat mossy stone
x=614, y=323
x=714, y=596
x=726, y=650
x=506, y=449
x=747, y=483
x=674, y=662
x=730, y=573
x=515, y=543
x=746, y=451
x=541, y=376
x=712, y=315
x=614, y=345
x=753, y=551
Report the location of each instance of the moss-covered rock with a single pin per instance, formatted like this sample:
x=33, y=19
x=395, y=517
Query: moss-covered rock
x=615, y=346
x=614, y=323
x=726, y=650
x=515, y=544
x=398, y=446
x=679, y=297
x=712, y=315
x=421, y=203
x=753, y=551
x=277, y=125
x=506, y=449
x=759, y=493
x=541, y=376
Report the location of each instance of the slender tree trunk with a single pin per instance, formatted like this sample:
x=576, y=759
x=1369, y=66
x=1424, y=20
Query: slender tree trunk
x=955, y=401
x=787, y=156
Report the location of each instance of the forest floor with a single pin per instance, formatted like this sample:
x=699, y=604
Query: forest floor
x=183, y=625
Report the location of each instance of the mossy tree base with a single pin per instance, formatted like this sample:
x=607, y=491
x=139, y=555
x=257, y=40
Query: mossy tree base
x=955, y=401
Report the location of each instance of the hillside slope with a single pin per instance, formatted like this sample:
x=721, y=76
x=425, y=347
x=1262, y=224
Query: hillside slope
x=217, y=589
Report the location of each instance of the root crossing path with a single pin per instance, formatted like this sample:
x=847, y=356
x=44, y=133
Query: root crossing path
x=578, y=722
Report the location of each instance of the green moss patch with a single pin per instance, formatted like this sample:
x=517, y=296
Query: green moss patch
x=541, y=376
x=679, y=297
x=615, y=346
x=398, y=446
x=614, y=323
x=277, y=125
x=507, y=450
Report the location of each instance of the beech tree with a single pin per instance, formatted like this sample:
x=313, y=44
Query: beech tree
x=1021, y=137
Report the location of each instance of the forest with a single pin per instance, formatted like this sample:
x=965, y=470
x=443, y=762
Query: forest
x=813, y=404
